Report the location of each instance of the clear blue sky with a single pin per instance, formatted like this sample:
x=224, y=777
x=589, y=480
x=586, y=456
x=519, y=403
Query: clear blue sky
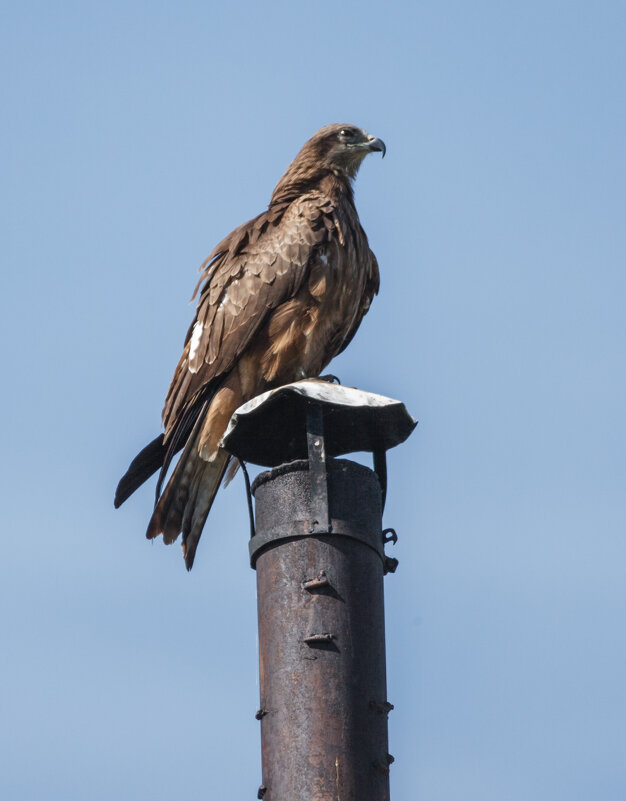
x=135, y=135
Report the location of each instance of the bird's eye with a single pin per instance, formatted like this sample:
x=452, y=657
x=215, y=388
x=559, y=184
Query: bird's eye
x=346, y=133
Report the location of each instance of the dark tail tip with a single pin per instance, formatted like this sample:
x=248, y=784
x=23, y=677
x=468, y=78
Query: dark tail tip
x=144, y=465
x=189, y=553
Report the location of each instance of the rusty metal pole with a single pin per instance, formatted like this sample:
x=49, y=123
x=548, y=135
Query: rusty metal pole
x=321, y=634
x=318, y=549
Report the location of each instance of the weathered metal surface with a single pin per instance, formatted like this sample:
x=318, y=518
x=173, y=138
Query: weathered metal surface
x=323, y=708
x=290, y=516
x=271, y=429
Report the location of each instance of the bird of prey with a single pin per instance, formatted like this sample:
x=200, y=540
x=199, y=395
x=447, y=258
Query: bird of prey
x=279, y=297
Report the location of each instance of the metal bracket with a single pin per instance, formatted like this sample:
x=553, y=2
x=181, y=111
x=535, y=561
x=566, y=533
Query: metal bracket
x=320, y=518
x=380, y=468
x=390, y=565
x=389, y=535
x=381, y=707
x=249, y=497
x=330, y=378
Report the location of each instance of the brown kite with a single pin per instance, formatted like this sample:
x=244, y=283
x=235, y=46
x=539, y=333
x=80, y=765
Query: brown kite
x=279, y=298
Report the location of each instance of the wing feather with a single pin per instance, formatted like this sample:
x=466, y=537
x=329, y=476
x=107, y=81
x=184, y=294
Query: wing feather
x=258, y=267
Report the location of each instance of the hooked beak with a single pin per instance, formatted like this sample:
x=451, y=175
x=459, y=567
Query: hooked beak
x=375, y=145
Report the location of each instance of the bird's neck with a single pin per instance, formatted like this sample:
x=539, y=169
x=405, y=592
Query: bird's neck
x=298, y=181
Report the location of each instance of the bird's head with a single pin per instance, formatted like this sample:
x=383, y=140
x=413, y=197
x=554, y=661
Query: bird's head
x=342, y=147
x=337, y=149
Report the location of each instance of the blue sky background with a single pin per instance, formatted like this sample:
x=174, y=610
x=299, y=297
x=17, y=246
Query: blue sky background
x=135, y=135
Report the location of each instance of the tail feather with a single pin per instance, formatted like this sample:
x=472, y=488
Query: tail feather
x=175, y=498
x=144, y=465
x=187, y=499
x=172, y=502
x=233, y=468
x=184, y=427
x=208, y=481
x=158, y=454
x=188, y=496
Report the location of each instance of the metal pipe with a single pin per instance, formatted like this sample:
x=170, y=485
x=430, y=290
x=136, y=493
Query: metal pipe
x=321, y=637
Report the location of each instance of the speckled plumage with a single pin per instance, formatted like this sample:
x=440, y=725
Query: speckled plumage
x=278, y=299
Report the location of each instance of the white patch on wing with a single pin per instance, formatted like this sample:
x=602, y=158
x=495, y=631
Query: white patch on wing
x=324, y=257
x=194, y=344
